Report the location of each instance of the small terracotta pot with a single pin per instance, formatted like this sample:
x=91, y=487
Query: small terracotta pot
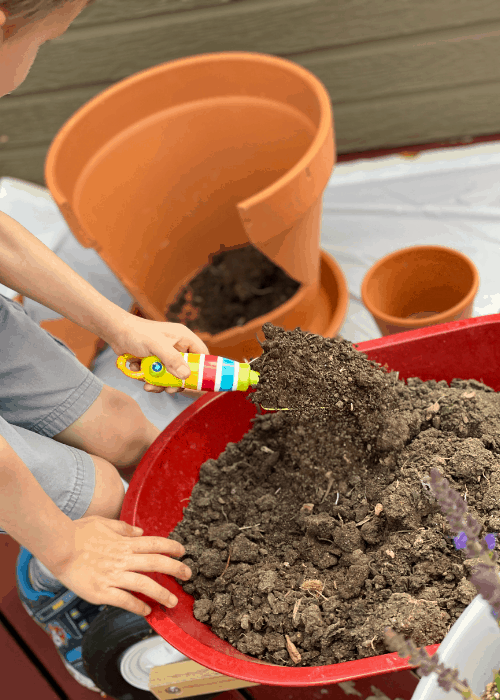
x=173, y=164
x=420, y=286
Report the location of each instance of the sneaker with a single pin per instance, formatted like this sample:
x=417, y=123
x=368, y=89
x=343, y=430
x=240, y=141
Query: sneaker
x=62, y=614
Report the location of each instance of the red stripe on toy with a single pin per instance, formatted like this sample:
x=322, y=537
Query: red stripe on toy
x=209, y=372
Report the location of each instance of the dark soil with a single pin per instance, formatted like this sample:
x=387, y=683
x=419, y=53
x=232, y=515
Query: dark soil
x=318, y=529
x=237, y=286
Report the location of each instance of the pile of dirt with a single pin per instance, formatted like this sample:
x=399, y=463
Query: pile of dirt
x=318, y=529
x=237, y=286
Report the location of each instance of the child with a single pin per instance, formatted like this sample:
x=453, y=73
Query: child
x=64, y=434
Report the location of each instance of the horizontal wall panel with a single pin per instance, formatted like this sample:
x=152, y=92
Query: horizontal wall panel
x=35, y=119
x=24, y=163
x=451, y=114
x=384, y=123
x=109, y=52
x=352, y=74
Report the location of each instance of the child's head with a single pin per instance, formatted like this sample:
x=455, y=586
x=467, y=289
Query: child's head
x=24, y=26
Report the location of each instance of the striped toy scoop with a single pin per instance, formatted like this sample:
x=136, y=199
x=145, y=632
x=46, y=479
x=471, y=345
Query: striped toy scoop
x=208, y=373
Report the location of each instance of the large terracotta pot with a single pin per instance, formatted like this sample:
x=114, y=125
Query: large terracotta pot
x=165, y=168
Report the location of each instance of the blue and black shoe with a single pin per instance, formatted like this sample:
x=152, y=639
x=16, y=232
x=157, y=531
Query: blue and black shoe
x=62, y=614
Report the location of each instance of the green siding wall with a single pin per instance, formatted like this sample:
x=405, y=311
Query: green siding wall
x=398, y=72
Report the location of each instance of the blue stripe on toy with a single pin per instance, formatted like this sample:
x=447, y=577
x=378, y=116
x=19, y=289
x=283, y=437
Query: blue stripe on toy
x=227, y=376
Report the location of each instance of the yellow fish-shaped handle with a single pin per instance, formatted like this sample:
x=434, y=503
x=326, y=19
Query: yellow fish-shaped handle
x=208, y=373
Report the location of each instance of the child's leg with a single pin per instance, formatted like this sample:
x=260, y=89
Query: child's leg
x=45, y=389
x=114, y=428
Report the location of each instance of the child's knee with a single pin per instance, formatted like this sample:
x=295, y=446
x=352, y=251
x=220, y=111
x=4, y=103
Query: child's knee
x=109, y=491
x=137, y=434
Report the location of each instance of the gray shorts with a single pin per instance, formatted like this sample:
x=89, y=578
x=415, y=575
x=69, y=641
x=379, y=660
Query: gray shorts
x=44, y=388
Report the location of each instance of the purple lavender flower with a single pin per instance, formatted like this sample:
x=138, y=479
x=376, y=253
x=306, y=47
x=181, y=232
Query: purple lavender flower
x=490, y=540
x=447, y=677
x=484, y=577
x=461, y=540
x=454, y=508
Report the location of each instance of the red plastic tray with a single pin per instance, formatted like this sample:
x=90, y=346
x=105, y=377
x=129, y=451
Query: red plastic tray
x=164, y=479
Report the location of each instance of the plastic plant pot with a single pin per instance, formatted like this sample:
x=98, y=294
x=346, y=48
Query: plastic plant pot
x=173, y=164
x=420, y=286
x=165, y=477
x=472, y=646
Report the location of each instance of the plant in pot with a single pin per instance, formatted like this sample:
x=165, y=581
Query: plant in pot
x=473, y=643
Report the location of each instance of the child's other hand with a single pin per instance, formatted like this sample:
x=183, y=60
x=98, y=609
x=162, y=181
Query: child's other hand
x=106, y=557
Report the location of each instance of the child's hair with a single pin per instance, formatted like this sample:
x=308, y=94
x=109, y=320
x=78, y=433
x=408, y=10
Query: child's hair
x=31, y=9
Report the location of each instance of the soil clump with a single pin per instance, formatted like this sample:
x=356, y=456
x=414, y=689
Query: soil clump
x=237, y=286
x=318, y=528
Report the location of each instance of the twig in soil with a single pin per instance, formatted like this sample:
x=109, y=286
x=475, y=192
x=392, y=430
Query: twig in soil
x=365, y=520
x=261, y=292
x=227, y=564
x=329, y=485
x=338, y=496
x=224, y=514
x=248, y=527
x=296, y=609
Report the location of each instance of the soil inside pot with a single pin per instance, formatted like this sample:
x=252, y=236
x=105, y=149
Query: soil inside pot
x=318, y=529
x=237, y=286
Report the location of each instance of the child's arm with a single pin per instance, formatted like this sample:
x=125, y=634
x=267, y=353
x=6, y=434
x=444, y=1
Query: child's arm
x=96, y=558
x=26, y=512
x=32, y=269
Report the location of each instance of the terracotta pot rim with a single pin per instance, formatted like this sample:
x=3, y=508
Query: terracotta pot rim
x=441, y=317
x=314, y=83
x=256, y=323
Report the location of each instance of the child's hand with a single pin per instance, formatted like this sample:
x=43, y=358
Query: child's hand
x=106, y=556
x=141, y=337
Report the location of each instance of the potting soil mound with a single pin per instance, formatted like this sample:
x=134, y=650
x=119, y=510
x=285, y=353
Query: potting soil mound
x=237, y=286
x=318, y=529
